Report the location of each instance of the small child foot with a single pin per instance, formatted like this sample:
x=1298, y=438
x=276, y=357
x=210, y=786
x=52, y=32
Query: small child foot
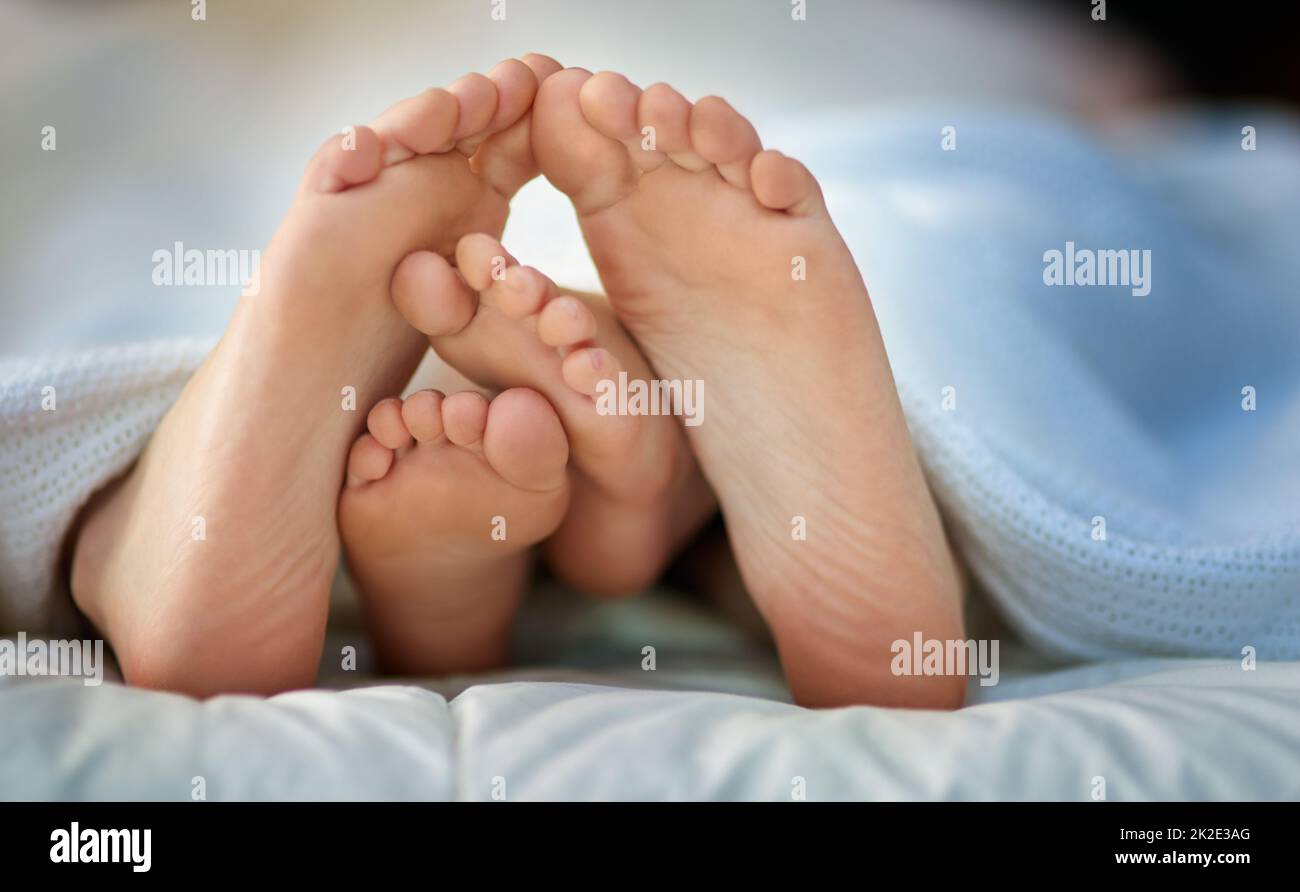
x=637, y=493
x=443, y=500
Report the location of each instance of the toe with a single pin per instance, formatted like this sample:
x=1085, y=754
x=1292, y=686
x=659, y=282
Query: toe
x=348, y=159
x=482, y=260
x=517, y=291
x=516, y=87
x=541, y=65
x=503, y=153
x=565, y=321
x=506, y=159
x=723, y=137
x=386, y=425
x=431, y=295
x=594, y=170
x=422, y=414
x=524, y=441
x=668, y=115
x=520, y=293
x=784, y=184
x=609, y=103
x=418, y=125
x=369, y=460
x=464, y=415
x=584, y=369
x=477, y=97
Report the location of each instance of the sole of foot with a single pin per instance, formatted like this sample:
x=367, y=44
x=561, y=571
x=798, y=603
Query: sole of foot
x=445, y=497
x=637, y=491
x=721, y=259
x=253, y=451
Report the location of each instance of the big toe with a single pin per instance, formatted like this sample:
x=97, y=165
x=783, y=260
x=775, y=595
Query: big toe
x=525, y=442
x=350, y=158
x=593, y=169
x=503, y=153
x=431, y=295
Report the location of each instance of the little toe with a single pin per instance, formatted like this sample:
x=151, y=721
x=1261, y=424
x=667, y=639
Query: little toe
x=386, y=425
x=422, y=414
x=725, y=138
x=564, y=321
x=347, y=159
x=464, y=416
x=784, y=184
x=368, y=461
x=668, y=115
x=431, y=295
x=525, y=442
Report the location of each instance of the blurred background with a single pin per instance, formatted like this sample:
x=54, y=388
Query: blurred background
x=170, y=129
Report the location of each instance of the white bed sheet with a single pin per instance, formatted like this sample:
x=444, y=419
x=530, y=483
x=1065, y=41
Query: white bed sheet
x=709, y=723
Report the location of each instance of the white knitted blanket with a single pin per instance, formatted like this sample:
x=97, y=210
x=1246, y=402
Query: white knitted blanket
x=70, y=423
x=1090, y=448
x=1051, y=415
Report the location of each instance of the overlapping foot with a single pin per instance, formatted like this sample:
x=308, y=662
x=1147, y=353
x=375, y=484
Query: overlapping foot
x=637, y=494
x=721, y=260
x=208, y=565
x=444, y=498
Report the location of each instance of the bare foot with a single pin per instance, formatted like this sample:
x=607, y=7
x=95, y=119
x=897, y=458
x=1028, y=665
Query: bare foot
x=722, y=261
x=208, y=566
x=637, y=491
x=444, y=498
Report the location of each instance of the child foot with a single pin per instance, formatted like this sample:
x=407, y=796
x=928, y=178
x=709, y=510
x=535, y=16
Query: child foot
x=637, y=494
x=444, y=497
x=722, y=261
x=208, y=566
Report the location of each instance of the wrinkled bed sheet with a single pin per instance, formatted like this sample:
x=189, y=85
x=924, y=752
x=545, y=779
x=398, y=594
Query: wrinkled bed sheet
x=712, y=721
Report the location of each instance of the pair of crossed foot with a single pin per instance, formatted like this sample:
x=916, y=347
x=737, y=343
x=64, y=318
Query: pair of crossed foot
x=391, y=247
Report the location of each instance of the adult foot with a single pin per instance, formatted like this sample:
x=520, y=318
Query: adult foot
x=722, y=261
x=208, y=565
